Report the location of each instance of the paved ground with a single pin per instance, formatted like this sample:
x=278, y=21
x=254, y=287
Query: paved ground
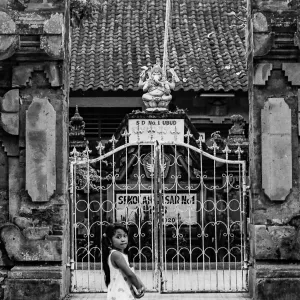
x=155, y=296
x=178, y=282
x=89, y=280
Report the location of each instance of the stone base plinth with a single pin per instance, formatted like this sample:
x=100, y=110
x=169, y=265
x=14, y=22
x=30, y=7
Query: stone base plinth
x=37, y=283
x=275, y=282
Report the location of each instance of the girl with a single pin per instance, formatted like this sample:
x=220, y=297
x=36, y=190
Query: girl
x=119, y=278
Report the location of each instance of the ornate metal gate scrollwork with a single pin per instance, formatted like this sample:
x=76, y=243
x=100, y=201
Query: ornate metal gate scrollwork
x=185, y=209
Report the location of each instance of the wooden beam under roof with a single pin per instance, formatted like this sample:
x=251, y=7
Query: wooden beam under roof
x=106, y=102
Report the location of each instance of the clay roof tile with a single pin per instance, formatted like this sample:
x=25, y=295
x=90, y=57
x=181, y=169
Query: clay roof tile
x=108, y=52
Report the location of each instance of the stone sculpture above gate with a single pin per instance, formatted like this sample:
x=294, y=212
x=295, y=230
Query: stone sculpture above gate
x=157, y=88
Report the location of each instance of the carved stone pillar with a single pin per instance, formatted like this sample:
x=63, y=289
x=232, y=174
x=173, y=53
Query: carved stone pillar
x=273, y=55
x=34, y=229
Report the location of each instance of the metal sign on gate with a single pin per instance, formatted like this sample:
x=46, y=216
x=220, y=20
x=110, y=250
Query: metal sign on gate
x=161, y=130
x=177, y=207
x=185, y=210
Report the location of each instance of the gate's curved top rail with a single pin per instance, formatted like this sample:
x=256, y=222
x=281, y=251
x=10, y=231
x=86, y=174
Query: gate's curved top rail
x=200, y=151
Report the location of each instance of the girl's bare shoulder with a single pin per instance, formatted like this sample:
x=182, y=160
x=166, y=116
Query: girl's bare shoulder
x=117, y=256
x=119, y=261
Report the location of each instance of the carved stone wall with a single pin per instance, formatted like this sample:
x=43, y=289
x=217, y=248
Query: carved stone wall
x=34, y=227
x=273, y=64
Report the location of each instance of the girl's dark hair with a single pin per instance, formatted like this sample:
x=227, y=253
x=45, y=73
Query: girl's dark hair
x=107, y=246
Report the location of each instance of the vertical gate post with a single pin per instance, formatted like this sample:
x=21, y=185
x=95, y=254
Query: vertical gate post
x=72, y=211
x=160, y=212
x=157, y=224
x=34, y=54
x=273, y=64
x=245, y=209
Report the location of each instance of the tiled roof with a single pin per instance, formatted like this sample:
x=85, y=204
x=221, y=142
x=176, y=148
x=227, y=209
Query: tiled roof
x=206, y=45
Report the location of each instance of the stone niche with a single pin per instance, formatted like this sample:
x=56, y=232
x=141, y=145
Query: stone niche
x=40, y=150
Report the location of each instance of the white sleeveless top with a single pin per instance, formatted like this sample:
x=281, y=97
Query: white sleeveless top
x=118, y=288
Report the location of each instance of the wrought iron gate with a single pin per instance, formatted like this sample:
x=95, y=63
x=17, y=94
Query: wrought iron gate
x=185, y=209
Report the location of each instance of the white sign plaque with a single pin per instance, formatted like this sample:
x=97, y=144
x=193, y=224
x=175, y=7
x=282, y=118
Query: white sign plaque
x=150, y=130
x=182, y=207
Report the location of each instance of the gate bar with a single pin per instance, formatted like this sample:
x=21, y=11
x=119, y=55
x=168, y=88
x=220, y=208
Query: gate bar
x=160, y=220
x=156, y=212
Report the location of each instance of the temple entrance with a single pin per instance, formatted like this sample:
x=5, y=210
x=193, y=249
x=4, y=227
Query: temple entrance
x=185, y=209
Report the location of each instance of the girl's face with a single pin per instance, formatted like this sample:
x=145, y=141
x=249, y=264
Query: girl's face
x=120, y=240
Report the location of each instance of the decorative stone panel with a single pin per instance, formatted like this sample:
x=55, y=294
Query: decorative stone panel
x=19, y=248
x=8, y=37
x=260, y=22
x=53, y=73
x=10, y=145
x=276, y=142
x=22, y=75
x=299, y=112
x=42, y=289
x=44, y=282
x=275, y=242
x=9, y=108
x=292, y=71
x=14, y=186
x=3, y=173
x=262, y=73
x=278, y=288
x=52, y=42
x=263, y=43
x=272, y=5
x=40, y=150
